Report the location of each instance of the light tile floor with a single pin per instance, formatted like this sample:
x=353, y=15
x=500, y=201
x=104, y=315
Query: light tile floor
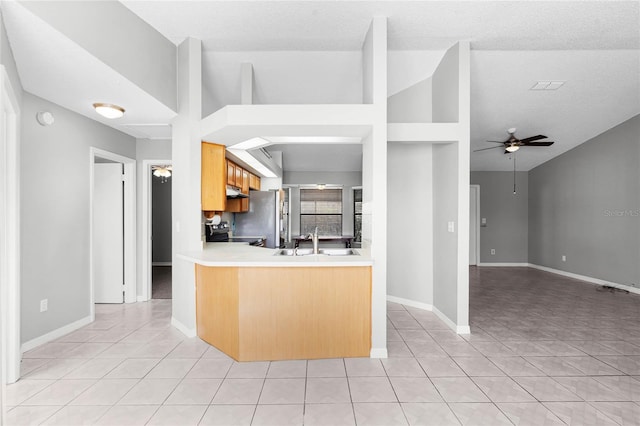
x=544, y=350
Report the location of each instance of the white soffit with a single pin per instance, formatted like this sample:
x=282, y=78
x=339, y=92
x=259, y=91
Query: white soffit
x=57, y=69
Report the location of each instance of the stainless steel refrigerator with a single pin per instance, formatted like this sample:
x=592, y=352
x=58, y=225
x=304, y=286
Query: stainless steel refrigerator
x=265, y=217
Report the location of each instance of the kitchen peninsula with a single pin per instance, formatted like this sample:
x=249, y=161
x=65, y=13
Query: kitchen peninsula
x=254, y=305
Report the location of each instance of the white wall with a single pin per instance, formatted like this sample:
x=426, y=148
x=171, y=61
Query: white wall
x=6, y=59
x=284, y=77
x=55, y=168
x=410, y=222
x=445, y=87
x=411, y=105
x=143, y=55
x=445, y=244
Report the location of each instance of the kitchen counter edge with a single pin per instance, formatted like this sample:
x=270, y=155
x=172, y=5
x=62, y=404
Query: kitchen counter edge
x=233, y=254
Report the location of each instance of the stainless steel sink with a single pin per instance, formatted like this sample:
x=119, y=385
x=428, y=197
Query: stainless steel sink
x=293, y=252
x=338, y=252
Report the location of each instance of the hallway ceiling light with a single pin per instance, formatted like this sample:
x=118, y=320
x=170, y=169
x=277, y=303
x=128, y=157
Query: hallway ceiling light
x=513, y=147
x=108, y=110
x=163, y=172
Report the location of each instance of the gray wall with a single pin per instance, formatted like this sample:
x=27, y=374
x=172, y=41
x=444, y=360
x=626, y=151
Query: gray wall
x=55, y=222
x=161, y=220
x=347, y=179
x=411, y=105
x=507, y=216
x=143, y=55
x=445, y=244
x=585, y=204
x=410, y=222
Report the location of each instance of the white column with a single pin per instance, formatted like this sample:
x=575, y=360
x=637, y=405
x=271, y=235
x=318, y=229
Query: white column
x=185, y=202
x=375, y=178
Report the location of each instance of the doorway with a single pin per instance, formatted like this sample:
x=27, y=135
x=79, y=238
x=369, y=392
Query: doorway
x=163, y=233
x=112, y=202
x=474, y=225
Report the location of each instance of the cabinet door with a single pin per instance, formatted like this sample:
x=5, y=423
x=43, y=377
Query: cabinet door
x=238, y=176
x=231, y=173
x=213, y=179
x=245, y=182
x=254, y=182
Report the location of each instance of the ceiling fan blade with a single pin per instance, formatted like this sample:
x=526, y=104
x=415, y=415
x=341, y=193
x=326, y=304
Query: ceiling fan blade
x=533, y=138
x=545, y=143
x=484, y=149
x=495, y=141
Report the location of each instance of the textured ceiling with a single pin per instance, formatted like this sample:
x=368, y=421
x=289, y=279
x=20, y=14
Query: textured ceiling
x=341, y=25
x=320, y=157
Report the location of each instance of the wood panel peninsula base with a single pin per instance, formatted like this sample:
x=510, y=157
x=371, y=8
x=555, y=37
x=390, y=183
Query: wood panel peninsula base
x=280, y=313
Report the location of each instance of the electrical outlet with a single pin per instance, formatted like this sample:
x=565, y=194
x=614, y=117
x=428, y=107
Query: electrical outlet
x=483, y=222
x=44, y=305
x=493, y=251
x=564, y=258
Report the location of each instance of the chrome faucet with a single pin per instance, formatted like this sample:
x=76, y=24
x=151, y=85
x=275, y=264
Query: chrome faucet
x=314, y=239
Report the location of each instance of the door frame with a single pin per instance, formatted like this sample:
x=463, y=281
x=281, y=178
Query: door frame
x=476, y=188
x=10, y=352
x=145, y=240
x=129, y=180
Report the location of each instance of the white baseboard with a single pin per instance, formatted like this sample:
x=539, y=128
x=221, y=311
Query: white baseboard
x=140, y=298
x=412, y=303
x=504, y=264
x=189, y=332
x=52, y=335
x=160, y=263
x=460, y=329
x=378, y=353
x=591, y=280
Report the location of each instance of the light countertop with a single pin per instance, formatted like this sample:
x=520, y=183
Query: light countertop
x=237, y=254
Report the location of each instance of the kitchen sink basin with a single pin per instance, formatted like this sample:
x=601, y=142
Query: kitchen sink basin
x=293, y=252
x=339, y=252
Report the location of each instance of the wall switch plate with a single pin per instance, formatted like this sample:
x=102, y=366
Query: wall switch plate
x=451, y=226
x=564, y=258
x=44, y=305
x=483, y=221
x=493, y=251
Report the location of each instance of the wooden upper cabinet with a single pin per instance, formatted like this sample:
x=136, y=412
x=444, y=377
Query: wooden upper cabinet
x=254, y=182
x=213, y=177
x=245, y=182
x=231, y=173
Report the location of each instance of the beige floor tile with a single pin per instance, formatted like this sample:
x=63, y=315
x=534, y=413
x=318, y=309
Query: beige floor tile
x=105, y=392
x=529, y=414
x=429, y=414
x=623, y=413
x=479, y=414
x=362, y=367
x=283, y=391
x=171, y=368
x=329, y=415
x=248, y=370
x=440, y=366
x=60, y=392
x=24, y=389
x=287, y=369
x=278, y=415
x=228, y=415
x=239, y=391
x=149, y=391
x=194, y=391
x=502, y=389
x=326, y=368
x=130, y=415
x=327, y=390
x=30, y=415
x=210, y=368
x=77, y=415
x=579, y=413
x=371, y=389
x=477, y=366
x=133, y=368
x=403, y=368
x=379, y=414
x=415, y=389
x=183, y=415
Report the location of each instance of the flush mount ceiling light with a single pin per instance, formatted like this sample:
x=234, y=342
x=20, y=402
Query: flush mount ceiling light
x=108, y=110
x=321, y=186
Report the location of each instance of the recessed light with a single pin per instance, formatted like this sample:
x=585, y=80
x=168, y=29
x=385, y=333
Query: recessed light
x=109, y=110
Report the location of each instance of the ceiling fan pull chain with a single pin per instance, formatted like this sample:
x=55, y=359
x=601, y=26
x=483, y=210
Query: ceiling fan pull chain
x=514, y=174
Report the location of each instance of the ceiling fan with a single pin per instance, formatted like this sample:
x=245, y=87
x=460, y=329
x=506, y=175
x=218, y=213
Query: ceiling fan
x=513, y=144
